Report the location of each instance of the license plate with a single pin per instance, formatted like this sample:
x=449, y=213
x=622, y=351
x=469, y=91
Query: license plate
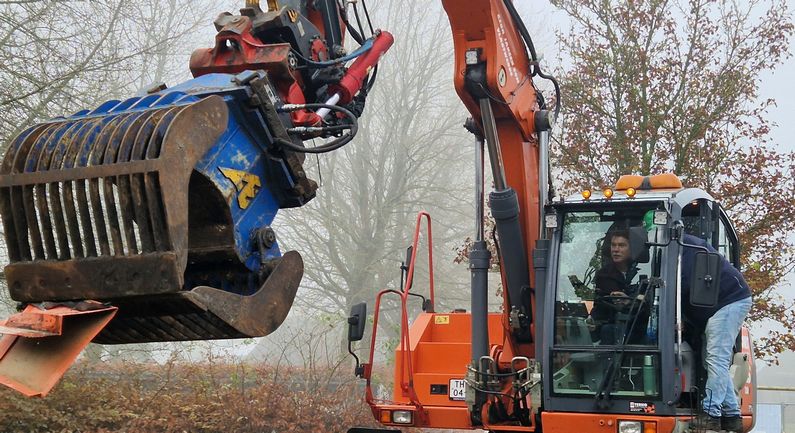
x=458, y=389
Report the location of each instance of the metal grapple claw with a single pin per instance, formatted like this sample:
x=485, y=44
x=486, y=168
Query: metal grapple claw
x=160, y=205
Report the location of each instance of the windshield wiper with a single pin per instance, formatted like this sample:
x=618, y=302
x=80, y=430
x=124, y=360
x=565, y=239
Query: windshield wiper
x=604, y=391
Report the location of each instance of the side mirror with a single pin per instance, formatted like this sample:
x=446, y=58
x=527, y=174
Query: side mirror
x=356, y=322
x=638, y=247
x=705, y=282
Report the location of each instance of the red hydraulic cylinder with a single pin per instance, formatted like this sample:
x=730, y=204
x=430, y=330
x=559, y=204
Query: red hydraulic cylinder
x=354, y=78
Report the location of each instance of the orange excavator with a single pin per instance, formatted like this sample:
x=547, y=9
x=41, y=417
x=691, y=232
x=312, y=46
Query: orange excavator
x=149, y=219
x=560, y=355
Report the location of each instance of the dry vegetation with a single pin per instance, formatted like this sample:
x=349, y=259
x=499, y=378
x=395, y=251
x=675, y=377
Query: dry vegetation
x=190, y=397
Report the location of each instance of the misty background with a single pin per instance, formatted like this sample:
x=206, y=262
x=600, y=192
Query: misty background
x=411, y=153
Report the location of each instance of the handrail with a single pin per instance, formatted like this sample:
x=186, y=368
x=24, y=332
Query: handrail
x=414, y=245
x=405, y=343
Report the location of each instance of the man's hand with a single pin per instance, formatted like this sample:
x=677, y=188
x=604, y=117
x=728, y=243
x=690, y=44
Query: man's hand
x=618, y=294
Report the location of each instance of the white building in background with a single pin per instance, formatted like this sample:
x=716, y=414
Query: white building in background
x=776, y=409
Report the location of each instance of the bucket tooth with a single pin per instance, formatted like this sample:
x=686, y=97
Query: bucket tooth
x=261, y=313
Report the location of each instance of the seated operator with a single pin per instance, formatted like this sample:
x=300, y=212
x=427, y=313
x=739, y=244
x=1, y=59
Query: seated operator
x=614, y=280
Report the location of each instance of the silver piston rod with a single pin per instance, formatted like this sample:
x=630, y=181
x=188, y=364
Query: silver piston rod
x=504, y=205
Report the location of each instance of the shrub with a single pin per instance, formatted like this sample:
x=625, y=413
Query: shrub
x=190, y=397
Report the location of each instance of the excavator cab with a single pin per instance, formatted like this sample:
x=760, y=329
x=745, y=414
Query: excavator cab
x=616, y=343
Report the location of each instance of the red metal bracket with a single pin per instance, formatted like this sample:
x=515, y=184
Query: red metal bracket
x=237, y=50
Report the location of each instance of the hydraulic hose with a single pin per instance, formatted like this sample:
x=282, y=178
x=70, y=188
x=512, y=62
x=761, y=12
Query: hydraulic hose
x=327, y=147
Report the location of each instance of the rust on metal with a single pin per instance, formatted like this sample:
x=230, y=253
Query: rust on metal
x=263, y=312
x=237, y=49
x=109, y=207
x=32, y=361
x=30, y=323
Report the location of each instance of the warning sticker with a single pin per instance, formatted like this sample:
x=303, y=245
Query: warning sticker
x=641, y=406
x=441, y=320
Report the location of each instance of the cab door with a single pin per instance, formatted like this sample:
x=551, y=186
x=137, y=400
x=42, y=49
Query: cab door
x=706, y=219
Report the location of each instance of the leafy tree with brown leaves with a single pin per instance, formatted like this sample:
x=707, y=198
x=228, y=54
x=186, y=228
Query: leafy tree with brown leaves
x=659, y=85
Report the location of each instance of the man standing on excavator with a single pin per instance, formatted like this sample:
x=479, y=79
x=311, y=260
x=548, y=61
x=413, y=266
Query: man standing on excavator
x=721, y=324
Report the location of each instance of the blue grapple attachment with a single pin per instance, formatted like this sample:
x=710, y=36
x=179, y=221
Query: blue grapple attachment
x=162, y=206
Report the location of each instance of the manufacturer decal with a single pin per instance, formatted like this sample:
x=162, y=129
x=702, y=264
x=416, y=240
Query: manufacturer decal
x=246, y=184
x=641, y=407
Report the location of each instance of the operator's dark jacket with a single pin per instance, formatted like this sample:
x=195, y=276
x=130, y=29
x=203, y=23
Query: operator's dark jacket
x=732, y=284
x=609, y=279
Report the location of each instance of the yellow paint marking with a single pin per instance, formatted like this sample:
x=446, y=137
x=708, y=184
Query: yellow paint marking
x=246, y=184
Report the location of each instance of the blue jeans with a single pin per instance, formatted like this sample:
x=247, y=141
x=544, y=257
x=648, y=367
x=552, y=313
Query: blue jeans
x=722, y=329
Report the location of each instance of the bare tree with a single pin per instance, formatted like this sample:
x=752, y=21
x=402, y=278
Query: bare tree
x=411, y=154
x=60, y=57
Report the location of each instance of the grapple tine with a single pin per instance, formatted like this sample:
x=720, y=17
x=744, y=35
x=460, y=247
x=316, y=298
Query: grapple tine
x=28, y=165
x=33, y=223
x=9, y=224
x=94, y=159
x=78, y=192
x=145, y=191
x=136, y=188
x=128, y=211
x=108, y=187
x=42, y=205
x=68, y=197
x=18, y=209
x=60, y=217
x=152, y=181
x=185, y=332
x=81, y=158
x=156, y=141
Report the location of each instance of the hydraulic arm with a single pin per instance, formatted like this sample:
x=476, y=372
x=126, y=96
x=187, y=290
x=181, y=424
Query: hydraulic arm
x=494, y=72
x=495, y=63
x=158, y=209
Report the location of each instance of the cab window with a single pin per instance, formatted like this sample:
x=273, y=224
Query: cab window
x=601, y=283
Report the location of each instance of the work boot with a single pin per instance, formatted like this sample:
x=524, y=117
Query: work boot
x=732, y=424
x=704, y=422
